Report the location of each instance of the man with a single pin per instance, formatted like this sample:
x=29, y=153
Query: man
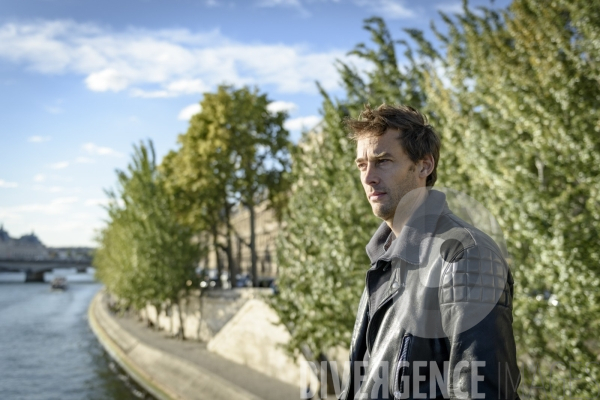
x=435, y=318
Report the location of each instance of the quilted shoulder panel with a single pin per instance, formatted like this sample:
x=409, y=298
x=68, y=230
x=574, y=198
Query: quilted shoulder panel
x=478, y=275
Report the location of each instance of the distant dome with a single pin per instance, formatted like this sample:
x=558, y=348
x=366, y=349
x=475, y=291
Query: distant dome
x=29, y=239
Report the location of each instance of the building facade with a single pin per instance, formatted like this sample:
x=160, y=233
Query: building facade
x=266, y=230
x=27, y=247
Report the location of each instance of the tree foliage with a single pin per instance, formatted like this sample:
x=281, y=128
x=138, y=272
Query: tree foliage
x=514, y=95
x=235, y=152
x=321, y=252
x=144, y=254
x=521, y=114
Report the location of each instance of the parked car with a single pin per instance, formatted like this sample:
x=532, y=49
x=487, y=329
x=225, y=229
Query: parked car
x=243, y=280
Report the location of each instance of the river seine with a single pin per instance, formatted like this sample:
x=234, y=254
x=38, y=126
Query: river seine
x=48, y=351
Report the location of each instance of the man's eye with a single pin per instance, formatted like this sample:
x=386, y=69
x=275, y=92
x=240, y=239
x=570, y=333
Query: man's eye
x=361, y=166
x=382, y=161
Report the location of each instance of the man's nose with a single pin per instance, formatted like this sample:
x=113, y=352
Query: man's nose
x=370, y=176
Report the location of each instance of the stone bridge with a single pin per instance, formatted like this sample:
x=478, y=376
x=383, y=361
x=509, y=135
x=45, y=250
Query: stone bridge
x=35, y=269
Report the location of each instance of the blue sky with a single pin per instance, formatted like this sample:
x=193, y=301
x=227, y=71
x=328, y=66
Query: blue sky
x=81, y=81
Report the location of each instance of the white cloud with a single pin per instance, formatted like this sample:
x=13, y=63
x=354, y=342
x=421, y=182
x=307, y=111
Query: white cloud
x=84, y=160
x=44, y=177
x=57, y=206
x=50, y=189
x=100, y=151
x=107, y=79
x=297, y=4
x=60, y=165
x=164, y=63
x=151, y=94
x=301, y=123
x=96, y=202
x=188, y=112
x=277, y=106
x=188, y=86
x=5, y=184
x=77, y=223
x=173, y=89
x=395, y=9
x=38, y=139
x=451, y=8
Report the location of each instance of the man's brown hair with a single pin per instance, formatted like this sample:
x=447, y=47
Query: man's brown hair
x=417, y=137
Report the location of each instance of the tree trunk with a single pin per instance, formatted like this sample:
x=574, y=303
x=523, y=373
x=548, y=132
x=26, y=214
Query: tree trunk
x=239, y=254
x=201, y=312
x=230, y=263
x=206, y=255
x=253, y=244
x=218, y=257
x=149, y=322
x=170, y=314
x=181, y=332
x=158, y=309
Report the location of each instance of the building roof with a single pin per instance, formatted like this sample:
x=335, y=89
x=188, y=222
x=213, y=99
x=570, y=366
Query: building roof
x=30, y=239
x=4, y=236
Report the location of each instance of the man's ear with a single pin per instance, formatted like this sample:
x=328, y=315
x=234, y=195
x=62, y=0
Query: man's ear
x=426, y=166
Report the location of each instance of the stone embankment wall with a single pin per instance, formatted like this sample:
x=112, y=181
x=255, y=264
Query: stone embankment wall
x=237, y=325
x=254, y=338
x=204, y=314
x=163, y=375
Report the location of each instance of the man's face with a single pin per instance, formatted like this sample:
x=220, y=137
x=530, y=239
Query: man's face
x=386, y=172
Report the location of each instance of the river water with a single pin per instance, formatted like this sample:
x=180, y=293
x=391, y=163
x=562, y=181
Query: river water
x=48, y=351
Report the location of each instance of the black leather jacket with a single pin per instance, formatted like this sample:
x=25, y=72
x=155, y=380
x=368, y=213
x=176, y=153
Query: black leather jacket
x=443, y=328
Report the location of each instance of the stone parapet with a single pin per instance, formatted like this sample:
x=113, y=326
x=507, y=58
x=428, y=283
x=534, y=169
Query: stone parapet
x=163, y=375
x=203, y=315
x=255, y=338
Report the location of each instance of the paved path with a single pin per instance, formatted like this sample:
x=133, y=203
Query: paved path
x=214, y=372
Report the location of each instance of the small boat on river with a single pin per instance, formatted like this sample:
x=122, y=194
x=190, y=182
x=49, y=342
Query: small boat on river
x=59, y=283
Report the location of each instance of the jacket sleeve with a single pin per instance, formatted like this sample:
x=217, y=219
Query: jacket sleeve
x=476, y=305
x=357, y=347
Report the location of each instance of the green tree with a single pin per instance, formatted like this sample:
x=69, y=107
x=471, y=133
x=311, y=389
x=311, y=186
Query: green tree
x=321, y=251
x=144, y=254
x=514, y=95
x=198, y=176
x=521, y=114
x=235, y=152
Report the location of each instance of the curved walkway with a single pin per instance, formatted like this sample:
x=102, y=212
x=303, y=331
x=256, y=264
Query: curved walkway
x=175, y=369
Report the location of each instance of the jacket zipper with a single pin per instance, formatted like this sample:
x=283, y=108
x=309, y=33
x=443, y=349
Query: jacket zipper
x=370, y=314
x=401, y=370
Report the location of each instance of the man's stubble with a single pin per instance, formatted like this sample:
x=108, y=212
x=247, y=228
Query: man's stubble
x=386, y=211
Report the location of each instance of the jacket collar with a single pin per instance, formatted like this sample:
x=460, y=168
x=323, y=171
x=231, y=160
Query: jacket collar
x=415, y=235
